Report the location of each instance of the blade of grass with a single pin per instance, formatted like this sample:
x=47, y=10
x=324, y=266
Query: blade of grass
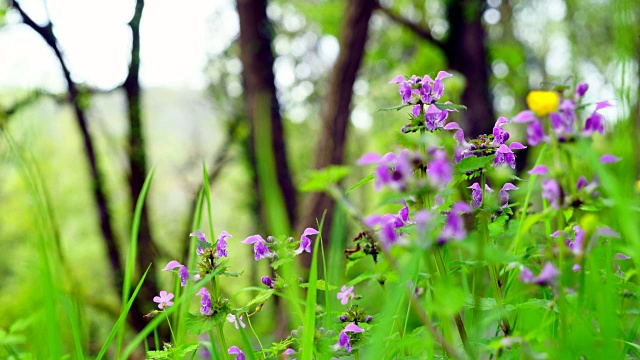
x=121, y=318
x=310, y=309
x=130, y=267
x=186, y=296
x=53, y=348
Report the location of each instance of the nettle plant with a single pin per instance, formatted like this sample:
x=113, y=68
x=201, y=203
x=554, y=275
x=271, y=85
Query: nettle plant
x=475, y=262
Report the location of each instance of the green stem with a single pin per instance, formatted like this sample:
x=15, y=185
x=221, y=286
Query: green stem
x=254, y=332
x=219, y=327
x=442, y=269
x=493, y=271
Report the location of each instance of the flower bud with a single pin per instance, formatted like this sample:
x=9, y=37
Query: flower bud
x=343, y=318
x=267, y=281
x=368, y=319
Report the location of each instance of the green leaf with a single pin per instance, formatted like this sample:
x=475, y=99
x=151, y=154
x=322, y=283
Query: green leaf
x=443, y=106
x=262, y=296
x=198, y=324
x=360, y=183
x=473, y=163
x=497, y=227
x=183, y=350
x=397, y=108
x=159, y=354
x=320, y=180
x=281, y=261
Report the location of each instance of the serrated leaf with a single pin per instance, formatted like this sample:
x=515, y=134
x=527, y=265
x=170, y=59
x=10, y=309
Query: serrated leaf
x=281, y=261
x=320, y=180
x=198, y=324
x=397, y=108
x=497, y=228
x=360, y=183
x=443, y=106
x=185, y=349
x=473, y=163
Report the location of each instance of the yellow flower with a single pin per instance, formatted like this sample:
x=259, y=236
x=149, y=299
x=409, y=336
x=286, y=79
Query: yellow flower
x=543, y=102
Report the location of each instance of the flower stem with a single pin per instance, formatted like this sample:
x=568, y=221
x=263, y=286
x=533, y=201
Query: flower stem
x=494, y=273
x=223, y=342
x=442, y=269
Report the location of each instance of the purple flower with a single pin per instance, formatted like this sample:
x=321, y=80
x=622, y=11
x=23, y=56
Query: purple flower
x=608, y=159
x=503, y=195
x=345, y=294
x=500, y=136
x=434, y=117
x=221, y=245
x=288, y=352
x=234, y=350
x=539, y=170
x=343, y=339
x=232, y=319
x=535, y=133
x=393, y=170
x=453, y=228
x=305, y=242
x=438, y=86
x=163, y=300
x=548, y=275
x=205, y=302
x=562, y=121
x=581, y=89
x=200, y=235
x=581, y=183
x=260, y=248
x=476, y=194
x=551, y=192
x=182, y=271
x=267, y=281
x=440, y=170
x=504, y=155
x=595, y=122
x=577, y=245
x=526, y=275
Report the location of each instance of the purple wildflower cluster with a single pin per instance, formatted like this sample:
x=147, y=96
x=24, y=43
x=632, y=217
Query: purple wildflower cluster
x=486, y=145
x=563, y=120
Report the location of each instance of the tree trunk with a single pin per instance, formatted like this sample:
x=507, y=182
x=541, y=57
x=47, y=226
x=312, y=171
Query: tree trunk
x=147, y=250
x=277, y=202
x=337, y=107
x=257, y=60
x=466, y=52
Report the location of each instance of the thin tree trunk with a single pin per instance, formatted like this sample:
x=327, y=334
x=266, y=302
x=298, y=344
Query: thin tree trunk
x=257, y=60
x=466, y=52
x=97, y=179
x=337, y=106
x=267, y=152
x=137, y=173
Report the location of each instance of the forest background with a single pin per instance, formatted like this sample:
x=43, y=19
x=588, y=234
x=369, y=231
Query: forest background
x=94, y=94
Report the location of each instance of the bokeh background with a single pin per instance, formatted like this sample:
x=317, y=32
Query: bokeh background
x=93, y=94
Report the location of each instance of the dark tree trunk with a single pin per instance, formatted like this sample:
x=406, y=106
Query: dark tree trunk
x=266, y=128
x=257, y=60
x=337, y=106
x=137, y=173
x=97, y=179
x=466, y=52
